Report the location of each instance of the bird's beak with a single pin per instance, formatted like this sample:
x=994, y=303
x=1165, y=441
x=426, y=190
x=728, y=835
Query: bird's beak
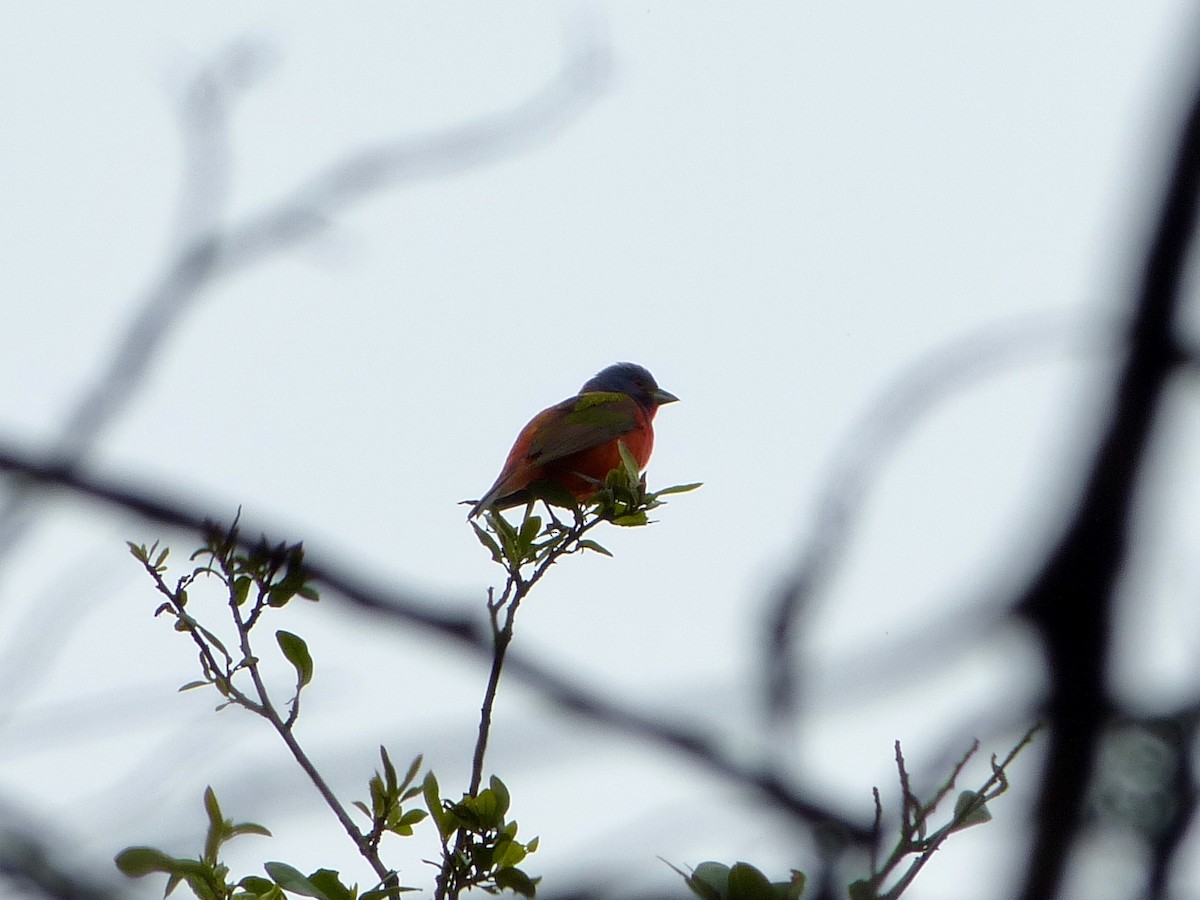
x=660, y=397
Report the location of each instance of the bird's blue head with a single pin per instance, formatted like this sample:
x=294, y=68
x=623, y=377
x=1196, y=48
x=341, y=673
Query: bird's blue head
x=632, y=379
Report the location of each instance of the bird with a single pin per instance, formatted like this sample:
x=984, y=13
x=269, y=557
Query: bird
x=573, y=444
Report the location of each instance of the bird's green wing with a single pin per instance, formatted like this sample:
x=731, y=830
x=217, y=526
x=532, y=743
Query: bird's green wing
x=581, y=423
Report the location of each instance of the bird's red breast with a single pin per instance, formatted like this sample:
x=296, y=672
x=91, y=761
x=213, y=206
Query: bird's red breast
x=574, y=444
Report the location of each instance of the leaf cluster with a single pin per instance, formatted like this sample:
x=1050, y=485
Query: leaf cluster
x=388, y=795
x=208, y=877
x=255, y=578
x=741, y=881
x=622, y=499
x=265, y=576
x=916, y=842
x=479, y=842
x=516, y=546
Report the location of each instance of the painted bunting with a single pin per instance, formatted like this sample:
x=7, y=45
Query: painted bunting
x=574, y=443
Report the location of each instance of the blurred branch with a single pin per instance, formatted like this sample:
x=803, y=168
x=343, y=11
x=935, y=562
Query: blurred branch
x=1167, y=843
x=1154, y=784
x=859, y=458
x=34, y=864
x=213, y=252
x=39, y=637
x=1070, y=601
x=469, y=633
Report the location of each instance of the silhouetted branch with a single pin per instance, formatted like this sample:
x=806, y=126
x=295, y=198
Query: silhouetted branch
x=33, y=864
x=1179, y=733
x=936, y=376
x=1070, y=601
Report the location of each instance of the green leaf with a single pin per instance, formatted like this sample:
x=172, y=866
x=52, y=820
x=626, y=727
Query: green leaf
x=389, y=771
x=249, y=828
x=501, y=526
x=709, y=880
x=487, y=807
x=530, y=529
x=630, y=465
x=589, y=544
x=256, y=884
x=241, y=589
x=139, y=861
x=297, y=654
x=517, y=881
x=217, y=828
x=278, y=596
x=678, y=489
x=446, y=822
x=330, y=883
x=378, y=796
x=412, y=817
x=631, y=520
x=191, y=686
x=291, y=879
x=508, y=854
x=969, y=810
x=411, y=774
x=507, y=534
x=212, y=807
x=502, y=796
x=488, y=542
x=748, y=883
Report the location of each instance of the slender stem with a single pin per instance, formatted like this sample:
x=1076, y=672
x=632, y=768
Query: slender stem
x=503, y=639
x=516, y=588
x=284, y=730
x=993, y=787
x=368, y=851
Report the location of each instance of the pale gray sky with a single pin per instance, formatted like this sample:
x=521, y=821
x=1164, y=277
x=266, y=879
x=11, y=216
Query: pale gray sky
x=775, y=208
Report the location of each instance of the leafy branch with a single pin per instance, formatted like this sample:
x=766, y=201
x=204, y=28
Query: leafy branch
x=526, y=551
x=479, y=843
x=915, y=839
x=742, y=881
x=256, y=578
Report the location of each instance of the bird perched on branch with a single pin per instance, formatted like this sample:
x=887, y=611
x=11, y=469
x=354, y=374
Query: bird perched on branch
x=573, y=444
